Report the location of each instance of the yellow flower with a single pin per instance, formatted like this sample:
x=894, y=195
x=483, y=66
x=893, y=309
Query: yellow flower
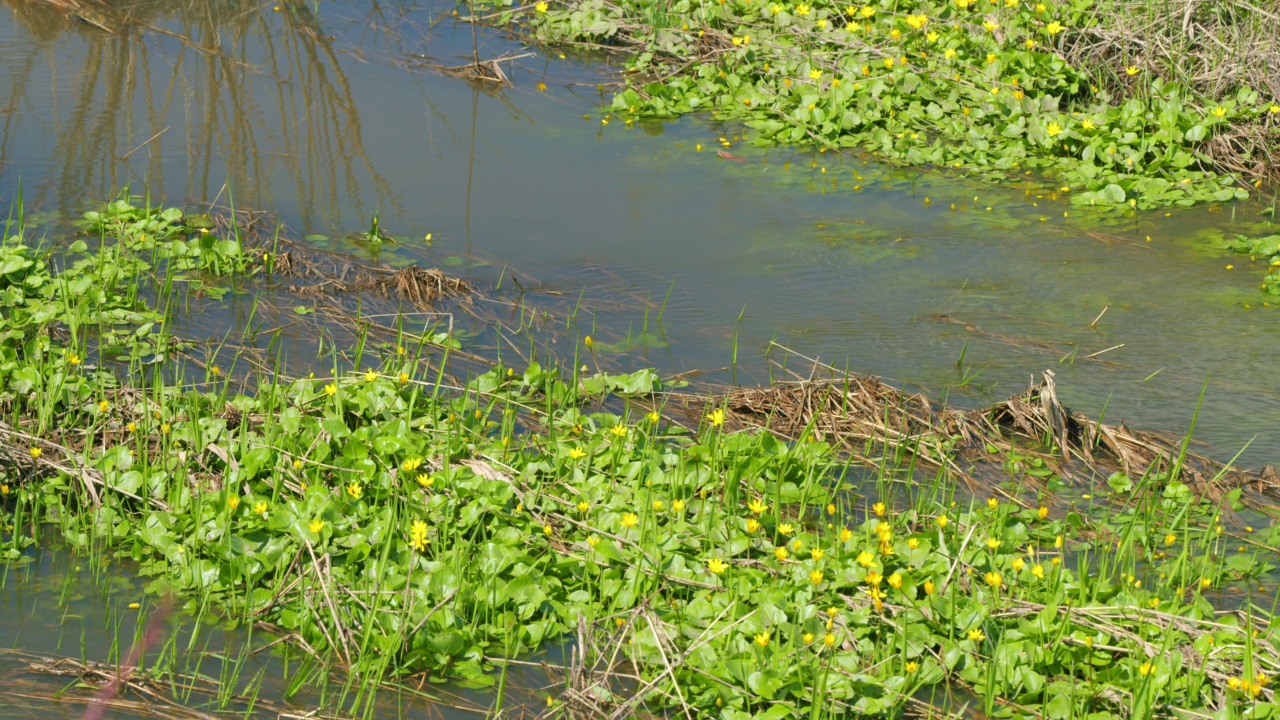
x=831, y=509
x=260, y=508
x=1219, y=112
x=658, y=505
x=865, y=558
x=786, y=529
x=316, y=526
x=103, y=406
x=131, y=427
x=1054, y=28
x=654, y=416
x=993, y=543
x=547, y=529
x=588, y=342
x=1144, y=669
x=822, y=24
x=577, y=454
x=895, y=581
x=895, y=33
x=976, y=635
x=1087, y=124
x=1234, y=683
x=912, y=666
x=776, y=9
x=1274, y=109
x=932, y=36
x=867, y=11
x=35, y=452
x=629, y=520
x=949, y=53
x=1038, y=571
x=418, y=535
x=370, y=376
x=717, y=418
x=1053, y=130
x=993, y=503
x=1018, y=564
x=717, y=566
x=797, y=545
x=762, y=639
x=991, y=57
x=355, y=490
x=1057, y=541
x=1131, y=70
x=802, y=10
x=942, y=521
x=874, y=578
x=993, y=579
x=752, y=525
x=619, y=430
x=995, y=91
x=816, y=74
x=878, y=509
x=990, y=26
x=73, y=359
x=1043, y=512
x=1205, y=583
x=1170, y=539
x=1030, y=43
x=780, y=552
x=888, y=62
x=540, y=7
x=233, y=502
x=917, y=21
x=829, y=640
x=815, y=577
x=593, y=541
x=928, y=587
x=757, y=506
x=846, y=535
x=411, y=464
x=816, y=553
x=164, y=428
x=913, y=543
x=331, y=389
x=677, y=505
x=425, y=480
x=403, y=378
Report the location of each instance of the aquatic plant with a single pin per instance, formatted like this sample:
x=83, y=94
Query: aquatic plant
x=983, y=88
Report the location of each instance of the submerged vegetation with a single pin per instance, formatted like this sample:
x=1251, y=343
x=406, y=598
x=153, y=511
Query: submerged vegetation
x=1121, y=104
x=399, y=522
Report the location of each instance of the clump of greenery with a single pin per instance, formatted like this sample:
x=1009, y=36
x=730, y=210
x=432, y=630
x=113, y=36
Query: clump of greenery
x=975, y=86
x=398, y=523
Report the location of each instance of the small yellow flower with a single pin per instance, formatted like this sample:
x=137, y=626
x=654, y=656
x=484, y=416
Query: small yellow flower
x=762, y=639
x=403, y=378
x=547, y=529
x=949, y=53
x=654, y=416
x=131, y=427
x=1031, y=43
x=816, y=553
x=797, y=545
x=1131, y=70
x=677, y=505
x=757, y=506
x=993, y=579
x=1218, y=112
x=1057, y=542
x=874, y=578
x=942, y=521
x=866, y=559
x=928, y=587
x=913, y=543
x=331, y=389
x=993, y=503
x=990, y=26
x=619, y=430
x=370, y=376
x=260, y=508
x=629, y=520
x=355, y=490
x=807, y=638
x=976, y=635
x=780, y=552
x=316, y=526
x=418, y=535
x=867, y=11
x=1234, y=683
x=426, y=480
x=912, y=666
x=577, y=454
x=1038, y=571
x=815, y=577
x=786, y=529
x=233, y=502
x=829, y=640
x=1053, y=130
x=895, y=581
x=752, y=525
x=1018, y=564
x=35, y=452
x=717, y=566
x=932, y=36
x=1054, y=28
x=991, y=57
x=993, y=544
x=540, y=7
x=411, y=464
x=588, y=342
x=1144, y=669
x=802, y=10
x=103, y=406
x=717, y=418
x=815, y=74
x=1205, y=583
x=878, y=509
x=658, y=505
x=593, y=541
x=888, y=63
